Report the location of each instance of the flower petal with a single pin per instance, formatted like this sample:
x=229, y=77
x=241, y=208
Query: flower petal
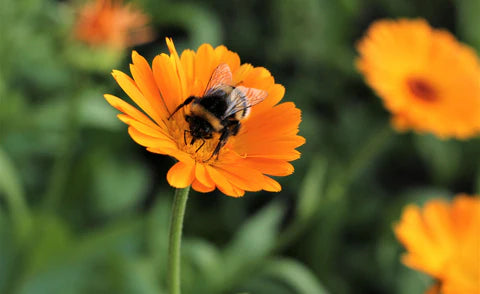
x=130, y=88
x=202, y=176
x=199, y=187
x=222, y=182
x=145, y=81
x=129, y=110
x=149, y=141
x=181, y=175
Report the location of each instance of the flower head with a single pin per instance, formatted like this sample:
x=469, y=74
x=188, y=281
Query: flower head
x=428, y=80
x=443, y=240
x=112, y=23
x=263, y=146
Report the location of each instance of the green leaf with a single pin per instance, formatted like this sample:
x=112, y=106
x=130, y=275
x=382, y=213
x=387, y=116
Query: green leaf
x=71, y=269
x=202, y=267
x=251, y=244
x=295, y=275
x=442, y=157
x=469, y=22
x=119, y=185
x=410, y=281
x=312, y=189
x=95, y=112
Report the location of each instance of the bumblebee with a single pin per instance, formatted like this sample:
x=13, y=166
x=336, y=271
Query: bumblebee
x=220, y=109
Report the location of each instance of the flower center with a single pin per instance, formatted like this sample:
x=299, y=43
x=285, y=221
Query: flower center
x=202, y=149
x=421, y=89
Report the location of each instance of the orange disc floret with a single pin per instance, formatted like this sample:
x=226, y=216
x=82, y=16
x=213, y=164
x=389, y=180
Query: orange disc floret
x=263, y=147
x=443, y=240
x=428, y=80
x=112, y=23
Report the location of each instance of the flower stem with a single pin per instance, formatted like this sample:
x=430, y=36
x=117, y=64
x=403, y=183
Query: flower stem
x=175, y=239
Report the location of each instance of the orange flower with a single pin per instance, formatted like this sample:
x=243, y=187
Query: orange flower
x=428, y=81
x=264, y=145
x=113, y=24
x=443, y=240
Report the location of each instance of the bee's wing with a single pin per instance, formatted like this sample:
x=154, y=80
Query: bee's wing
x=222, y=75
x=242, y=98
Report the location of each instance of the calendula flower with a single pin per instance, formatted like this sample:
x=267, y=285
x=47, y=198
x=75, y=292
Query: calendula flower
x=113, y=24
x=443, y=240
x=428, y=80
x=263, y=146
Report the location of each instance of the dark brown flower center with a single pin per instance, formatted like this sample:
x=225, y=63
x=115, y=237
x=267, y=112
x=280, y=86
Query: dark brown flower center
x=422, y=89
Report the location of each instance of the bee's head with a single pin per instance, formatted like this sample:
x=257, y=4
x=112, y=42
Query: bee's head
x=199, y=128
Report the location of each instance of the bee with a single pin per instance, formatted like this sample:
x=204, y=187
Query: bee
x=220, y=109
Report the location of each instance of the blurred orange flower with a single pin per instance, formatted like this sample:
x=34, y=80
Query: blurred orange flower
x=428, y=80
x=443, y=240
x=112, y=23
x=263, y=147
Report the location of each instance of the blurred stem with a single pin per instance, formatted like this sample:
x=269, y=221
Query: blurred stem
x=65, y=152
x=374, y=145
x=175, y=239
x=14, y=196
x=339, y=186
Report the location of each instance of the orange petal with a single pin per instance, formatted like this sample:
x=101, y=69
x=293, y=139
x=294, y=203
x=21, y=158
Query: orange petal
x=181, y=175
x=179, y=68
x=165, y=74
x=240, y=74
x=187, y=59
x=271, y=185
x=146, y=129
x=148, y=141
x=275, y=95
x=273, y=167
x=199, y=187
x=145, y=81
x=203, y=177
x=205, y=63
x=131, y=89
x=222, y=182
x=129, y=110
x=243, y=177
x=174, y=152
x=226, y=56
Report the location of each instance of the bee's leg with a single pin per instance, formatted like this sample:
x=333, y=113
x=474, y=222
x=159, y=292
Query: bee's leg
x=221, y=142
x=203, y=143
x=185, y=103
x=235, y=128
x=185, y=136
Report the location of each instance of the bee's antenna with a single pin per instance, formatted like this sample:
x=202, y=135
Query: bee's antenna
x=185, y=103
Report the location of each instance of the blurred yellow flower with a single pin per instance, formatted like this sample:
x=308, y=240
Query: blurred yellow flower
x=112, y=23
x=265, y=142
x=443, y=240
x=428, y=80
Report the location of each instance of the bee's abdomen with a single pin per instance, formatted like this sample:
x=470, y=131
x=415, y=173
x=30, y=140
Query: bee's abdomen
x=199, y=110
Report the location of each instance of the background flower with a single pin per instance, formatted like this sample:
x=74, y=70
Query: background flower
x=428, y=80
x=112, y=23
x=443, y=240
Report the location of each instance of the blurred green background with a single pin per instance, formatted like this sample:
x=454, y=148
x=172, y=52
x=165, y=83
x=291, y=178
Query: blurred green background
x=83, y=209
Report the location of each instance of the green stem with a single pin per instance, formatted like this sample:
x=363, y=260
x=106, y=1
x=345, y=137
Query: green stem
x=65, y=154
x=175, y=239
x=12, y=190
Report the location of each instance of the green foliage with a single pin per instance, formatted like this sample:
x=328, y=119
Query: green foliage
x=83, y=209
